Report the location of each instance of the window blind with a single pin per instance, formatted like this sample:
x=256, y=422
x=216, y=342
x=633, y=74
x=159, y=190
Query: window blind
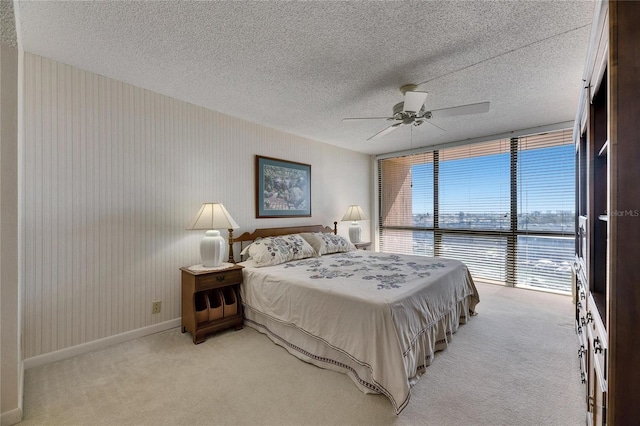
x=406, y=204
x=546, y=204
x=504, y=207
x=474, y=195
x=474, y=186
x=546, y=182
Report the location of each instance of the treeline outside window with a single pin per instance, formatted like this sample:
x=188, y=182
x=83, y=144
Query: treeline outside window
x=505, y=208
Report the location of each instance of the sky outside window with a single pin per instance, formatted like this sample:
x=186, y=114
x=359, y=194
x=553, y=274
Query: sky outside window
x=481, y=185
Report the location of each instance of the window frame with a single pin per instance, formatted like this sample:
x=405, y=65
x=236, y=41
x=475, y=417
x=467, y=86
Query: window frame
x=511, y=235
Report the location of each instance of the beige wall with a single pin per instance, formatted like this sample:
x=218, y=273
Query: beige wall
x=10, y=354
x=112, y=176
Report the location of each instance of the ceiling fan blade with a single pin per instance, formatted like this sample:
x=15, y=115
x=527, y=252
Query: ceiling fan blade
x=413, y=100
x=386, y=130
x=367, y=118
x=461, y=110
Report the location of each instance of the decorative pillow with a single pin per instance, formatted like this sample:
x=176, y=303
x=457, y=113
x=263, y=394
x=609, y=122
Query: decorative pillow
x=326, y=243
x=275, y=250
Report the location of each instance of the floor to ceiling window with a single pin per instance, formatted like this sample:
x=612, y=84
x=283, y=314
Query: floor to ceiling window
x=503, y=207
x=546, y=209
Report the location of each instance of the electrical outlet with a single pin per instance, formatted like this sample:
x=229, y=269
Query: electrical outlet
x=156, y=307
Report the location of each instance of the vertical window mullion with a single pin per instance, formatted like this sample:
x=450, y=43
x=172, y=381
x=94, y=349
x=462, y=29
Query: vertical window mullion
x=512, y=239
x=437, y=233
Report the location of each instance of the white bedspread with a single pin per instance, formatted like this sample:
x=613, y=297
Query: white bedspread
x=387, y=313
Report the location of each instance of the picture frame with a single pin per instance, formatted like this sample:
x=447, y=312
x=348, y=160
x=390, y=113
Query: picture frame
x=283, y=188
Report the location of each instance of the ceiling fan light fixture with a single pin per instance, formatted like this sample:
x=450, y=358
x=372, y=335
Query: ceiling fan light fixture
x=398, y=111
x=413, y=111
x=413, y=101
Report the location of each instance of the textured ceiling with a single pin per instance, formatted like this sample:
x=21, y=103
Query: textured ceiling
x=303, y=66
x=7, y=24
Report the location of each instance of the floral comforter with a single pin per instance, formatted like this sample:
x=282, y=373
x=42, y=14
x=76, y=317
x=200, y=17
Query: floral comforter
x=386, y=313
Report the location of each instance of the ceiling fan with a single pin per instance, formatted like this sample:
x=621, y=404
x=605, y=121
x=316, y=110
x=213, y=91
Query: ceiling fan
x=412, y=111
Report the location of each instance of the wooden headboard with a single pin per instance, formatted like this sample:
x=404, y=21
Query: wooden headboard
x=274, y=232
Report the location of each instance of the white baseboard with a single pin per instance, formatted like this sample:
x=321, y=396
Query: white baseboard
x=21, y=387
x=11, y=417
x=83, y=348
x=14, y=416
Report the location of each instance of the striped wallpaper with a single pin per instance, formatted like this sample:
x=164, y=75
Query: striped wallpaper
x=111, y=175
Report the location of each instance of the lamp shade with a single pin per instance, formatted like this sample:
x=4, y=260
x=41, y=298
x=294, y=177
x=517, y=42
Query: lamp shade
x=354, y=213
x=212, y=216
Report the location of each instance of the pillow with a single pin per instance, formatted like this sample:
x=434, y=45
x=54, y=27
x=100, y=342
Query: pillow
x=315, y=241
x=275, y=250
x=326, y=243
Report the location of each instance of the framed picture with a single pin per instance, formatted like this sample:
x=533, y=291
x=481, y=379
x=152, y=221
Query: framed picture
x=283, y=188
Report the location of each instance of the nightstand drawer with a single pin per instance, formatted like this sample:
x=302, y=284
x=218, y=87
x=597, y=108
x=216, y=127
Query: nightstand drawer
x=205, y=282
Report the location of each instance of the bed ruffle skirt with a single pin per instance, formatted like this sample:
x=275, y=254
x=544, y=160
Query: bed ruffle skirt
x=314, y=350
x=436, y=338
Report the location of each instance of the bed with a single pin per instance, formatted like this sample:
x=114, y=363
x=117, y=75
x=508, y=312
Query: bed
x=377, y=317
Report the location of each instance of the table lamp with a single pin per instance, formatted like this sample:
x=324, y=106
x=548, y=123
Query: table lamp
x=211, y=217
x=354, y=214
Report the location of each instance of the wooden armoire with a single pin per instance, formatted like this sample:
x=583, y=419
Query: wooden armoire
x=607, y=265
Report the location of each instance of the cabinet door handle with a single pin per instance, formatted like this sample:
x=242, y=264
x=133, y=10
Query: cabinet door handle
x=581, y=351
x=597, y=345
x=589, y=317
x=583, y=378
x=582, y=295
x=220, y=278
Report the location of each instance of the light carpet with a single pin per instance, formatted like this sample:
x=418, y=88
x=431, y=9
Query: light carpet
x=514, y=363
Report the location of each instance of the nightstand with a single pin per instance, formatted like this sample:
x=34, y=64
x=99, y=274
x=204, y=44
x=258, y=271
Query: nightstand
x=197, y=286
x=362, y=246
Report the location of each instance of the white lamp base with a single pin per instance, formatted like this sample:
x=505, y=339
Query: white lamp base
x=355, y=232
x=212, y=249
